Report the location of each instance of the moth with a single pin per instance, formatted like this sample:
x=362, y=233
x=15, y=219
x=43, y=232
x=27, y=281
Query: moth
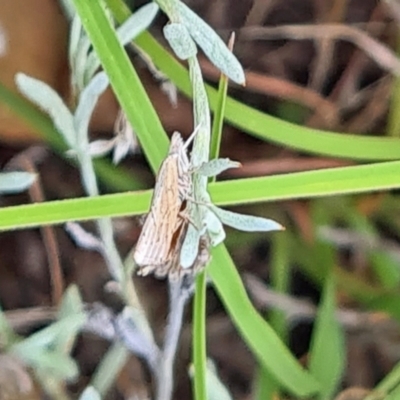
x=164, y=225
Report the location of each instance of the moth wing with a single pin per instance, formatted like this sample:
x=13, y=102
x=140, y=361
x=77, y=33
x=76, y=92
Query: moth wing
x=153, y=246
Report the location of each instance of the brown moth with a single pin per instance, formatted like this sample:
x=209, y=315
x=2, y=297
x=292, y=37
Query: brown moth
x=164, y=225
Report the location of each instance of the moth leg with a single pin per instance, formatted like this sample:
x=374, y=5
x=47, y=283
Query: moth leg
x=145, y=270
x=183, y=216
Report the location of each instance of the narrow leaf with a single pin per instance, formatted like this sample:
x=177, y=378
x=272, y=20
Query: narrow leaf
x=216, y=166
x=52, y=363
x=214, y=228
x=255, y=331
x=101, y=147
x=7, y=335
x=71, y=306
x=90, y=393
x=247, y=223
x=211, y=44
x=180, y=41
x=48, y=100
x=137, y=23
x=190, y=247
x=87, y=102
x=129, y=30
x=327, y=344
x=215, y=388
x=48, y=336
x=82, y=238
x=15, y=182
x=74, y=38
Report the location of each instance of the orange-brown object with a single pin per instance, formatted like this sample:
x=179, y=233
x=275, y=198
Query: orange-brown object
x=33, y=40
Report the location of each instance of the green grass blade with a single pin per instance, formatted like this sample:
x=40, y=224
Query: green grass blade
x=262, y=125
x=259, y=336
x=273, y=129
x=79, y=209
x=113, y=177
x=218, y=119
x=389, y=387
x=311, y=184
x=122, y=75
x=327, y=344
x=199, y=337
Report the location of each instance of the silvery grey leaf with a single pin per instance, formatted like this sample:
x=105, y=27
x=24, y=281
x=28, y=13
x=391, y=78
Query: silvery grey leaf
x=87, y=103
x=71, y=302
x=216, y=390
x=83, y=238
x=122, y=148
x=125, y=140
x=137, y=23
x=214, y=227
x=50, y=363
x=211, y=44
x=171, y=91
x=190, y=247
x=46, y=337
x=91, y=66
x=129, y=30
x=180, y=41
x=79, y=60
x=100, y=321
x=247, y=223
x=49, y=101
x=71, y=305
x=136, y=336
x=216, y=166
x=90, y=393
x=74, y=38
x=15, y=182
x=68, y=8
x=101, y=147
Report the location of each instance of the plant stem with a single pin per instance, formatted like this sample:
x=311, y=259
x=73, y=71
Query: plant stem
x=199, y=337
x=178, y=297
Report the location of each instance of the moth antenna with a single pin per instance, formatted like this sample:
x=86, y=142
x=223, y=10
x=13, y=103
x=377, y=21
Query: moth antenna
x=192, y=136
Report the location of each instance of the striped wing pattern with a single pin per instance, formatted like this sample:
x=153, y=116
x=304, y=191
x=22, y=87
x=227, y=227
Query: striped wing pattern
x=163, y=225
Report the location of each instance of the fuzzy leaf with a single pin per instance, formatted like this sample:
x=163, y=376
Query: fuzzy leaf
x=180, y=41
x=101, y=147
x=129, y=30
x=74, y=38
x=51, y=363
x=125, y=140
x=214, y=227
x=83, y=238
x=137, y=23
x=7, y=335
x=90, y=393
x=190, y=247
x=71, y=305
x=15, y=182
x=47, y=337
x=49, y=101
x=171, y=91
x=87, y=102
x=247, y=223
x=327, y=343
x=122, y=148
x=215, y=388
x=211, y=44
x=216, y=166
